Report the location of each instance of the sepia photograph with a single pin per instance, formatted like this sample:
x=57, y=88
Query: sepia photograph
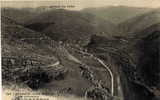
x=80, y=49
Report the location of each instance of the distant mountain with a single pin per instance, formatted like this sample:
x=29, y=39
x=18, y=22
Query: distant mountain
x=19, y=15
x=116, y=14
x=141, y=22
x=69, y=26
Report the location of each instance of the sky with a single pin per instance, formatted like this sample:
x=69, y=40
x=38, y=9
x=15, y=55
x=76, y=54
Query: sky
x=80, y=4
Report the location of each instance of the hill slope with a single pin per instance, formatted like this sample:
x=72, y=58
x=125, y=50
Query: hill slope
x=117, y=14
x=19, y=15
x=140, y=23
x=69, y=26
x=29, y=56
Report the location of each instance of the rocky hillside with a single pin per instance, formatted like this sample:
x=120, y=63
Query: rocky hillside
x=137, y=57
x=144, y=49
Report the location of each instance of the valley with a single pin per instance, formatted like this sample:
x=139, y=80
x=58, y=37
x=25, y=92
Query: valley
x=85, y=55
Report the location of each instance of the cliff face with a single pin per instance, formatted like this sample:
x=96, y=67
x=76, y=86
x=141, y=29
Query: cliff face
x=146, y=51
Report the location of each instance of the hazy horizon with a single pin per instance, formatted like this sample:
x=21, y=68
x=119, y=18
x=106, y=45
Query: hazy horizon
x=81, y=4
